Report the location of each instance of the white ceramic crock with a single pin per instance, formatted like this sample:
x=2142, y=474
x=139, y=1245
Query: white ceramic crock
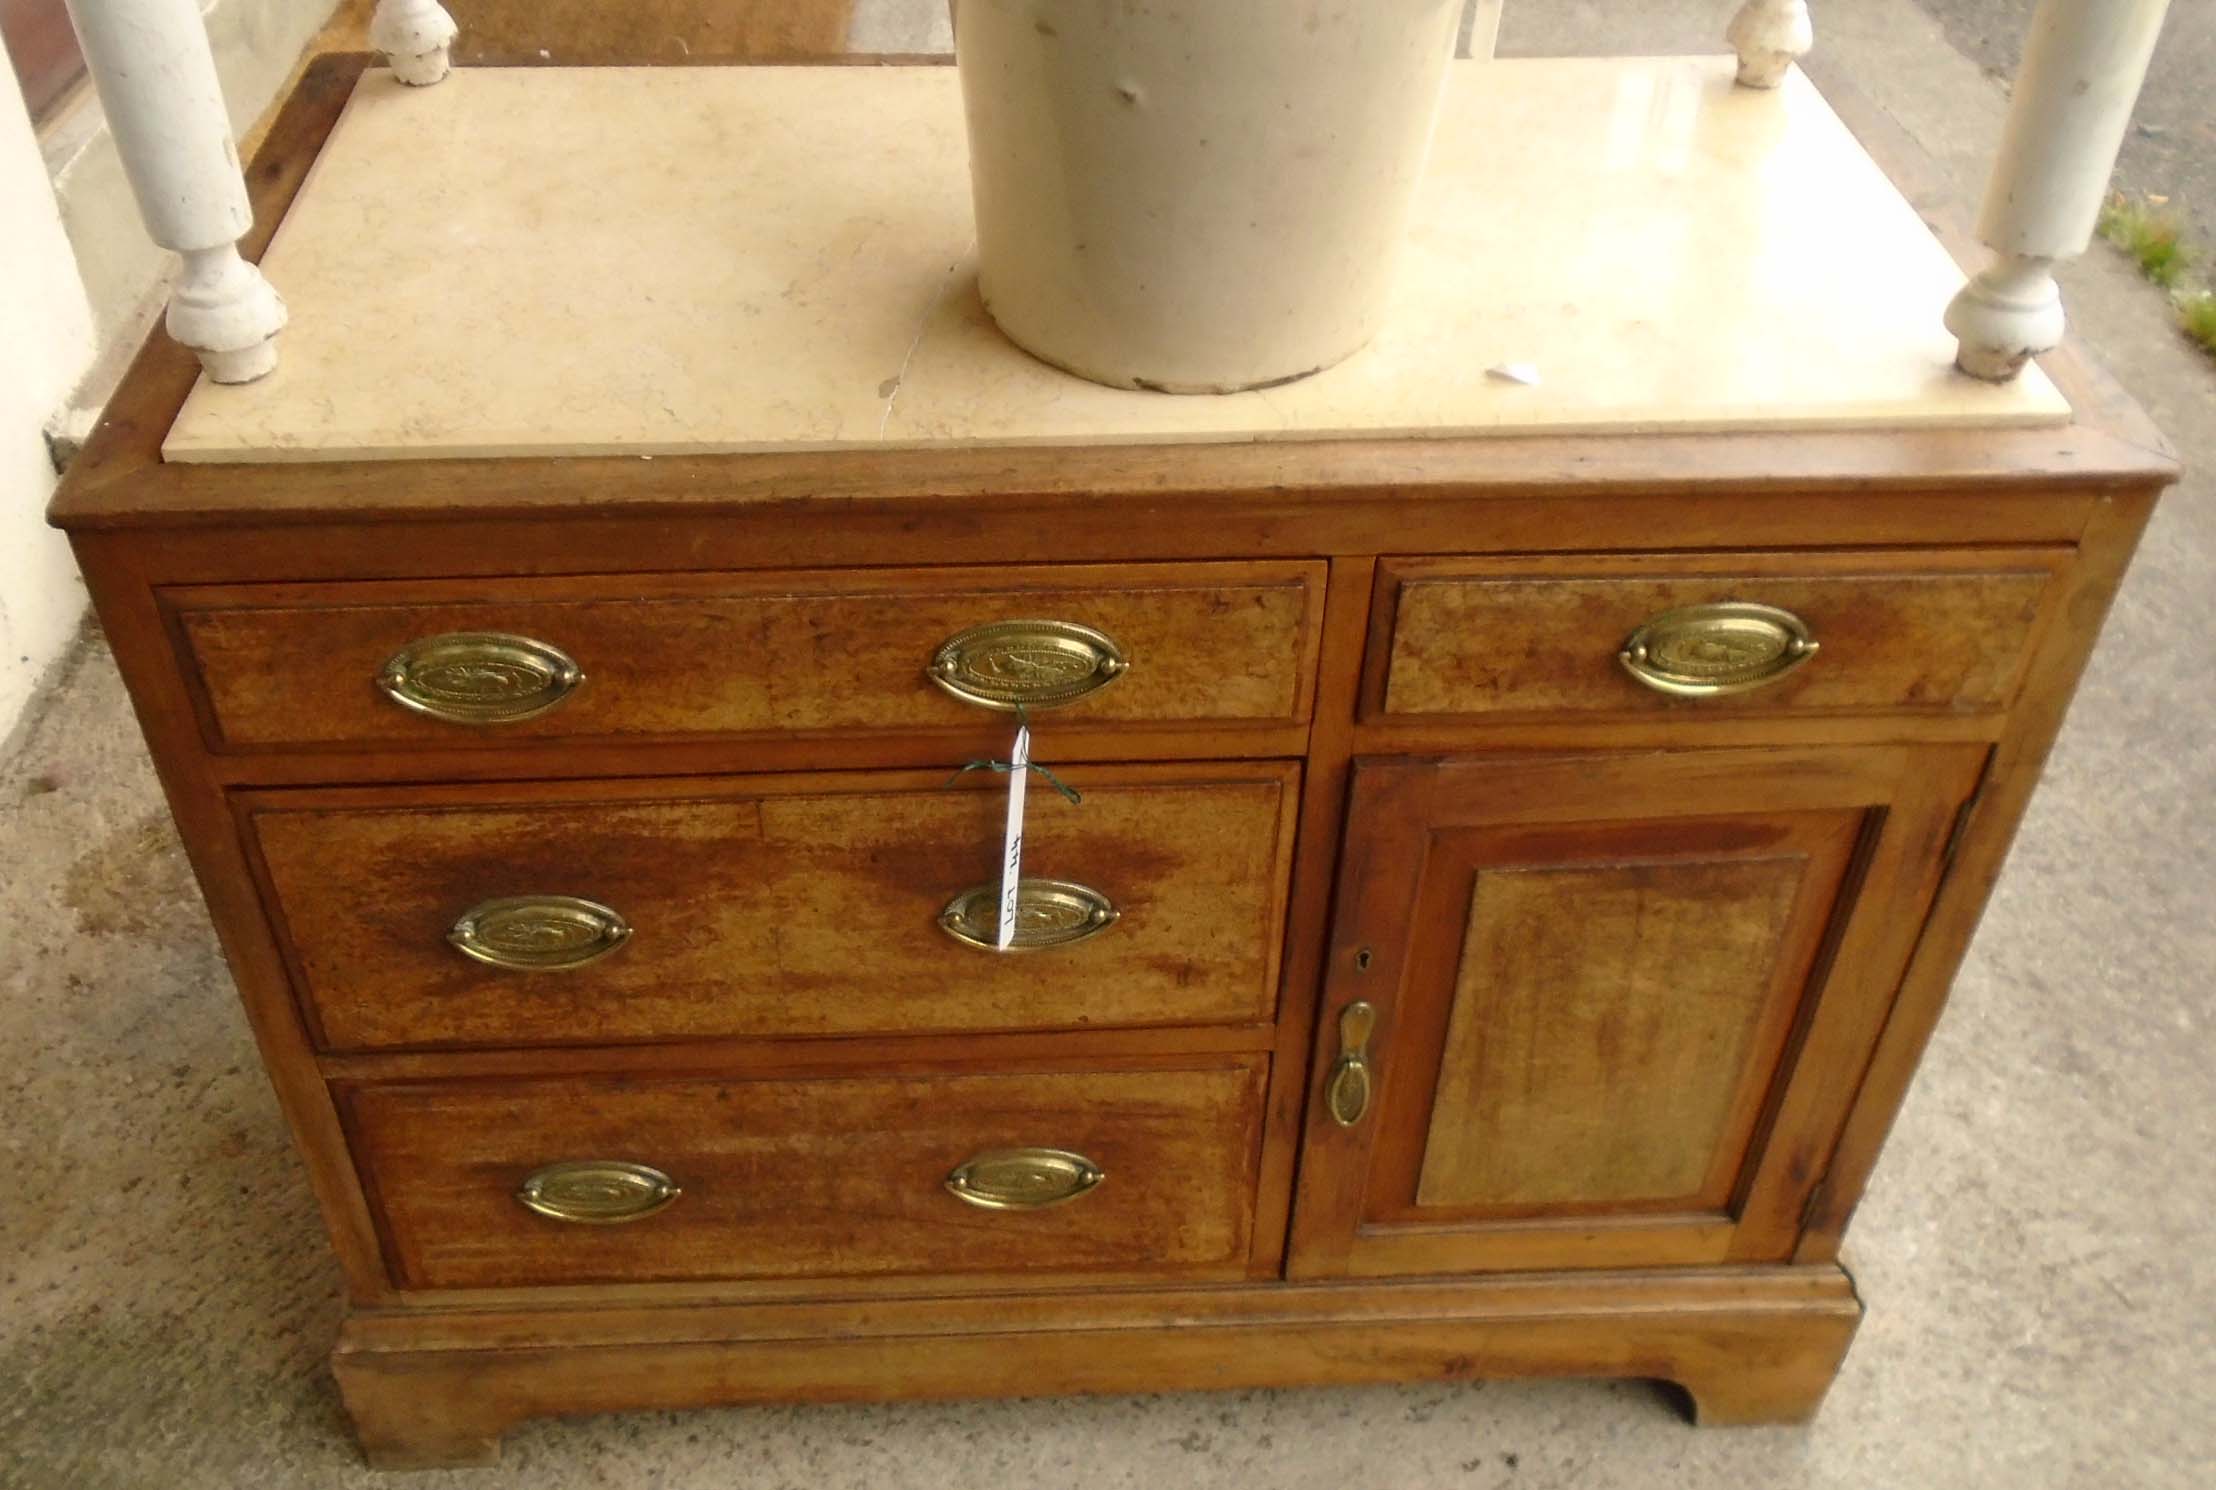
x=1196, y=196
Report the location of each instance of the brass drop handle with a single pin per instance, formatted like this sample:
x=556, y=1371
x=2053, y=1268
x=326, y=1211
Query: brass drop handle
x=1023, y=1179
x=1049, y=914
x=479, y=677
x=538, y=933
x=1708, y=651
x=1347, y=1094
x=1010, y=665
x=597, y=1192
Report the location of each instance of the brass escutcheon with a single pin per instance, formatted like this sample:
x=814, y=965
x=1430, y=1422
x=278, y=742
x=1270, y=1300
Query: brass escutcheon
x=597, y=1192
x=1024, y=1179
x=539, y=933
x=1033, y=665
x=1707, y=651
x=479, y=677
x=1347, y=1094
x=1049, y=913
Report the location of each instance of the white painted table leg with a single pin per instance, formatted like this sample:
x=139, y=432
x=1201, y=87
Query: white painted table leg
x=1770, y=36
x=150, y=61
x=2083, y=65
x=1484, y=34
x=417, y=38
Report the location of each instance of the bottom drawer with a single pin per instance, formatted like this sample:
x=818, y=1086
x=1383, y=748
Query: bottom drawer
x=504, y=1183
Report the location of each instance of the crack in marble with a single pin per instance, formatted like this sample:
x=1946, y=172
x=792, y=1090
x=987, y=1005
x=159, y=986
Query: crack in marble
x=891, y=387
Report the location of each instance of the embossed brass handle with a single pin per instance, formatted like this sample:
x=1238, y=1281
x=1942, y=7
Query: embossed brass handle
x=1049, y=913
x=1024, y=1179
x=597, y=1192
x=480, y=677
x=1706, y=651
x=1347, y=1094
x=539, y=933
x=1028, y=664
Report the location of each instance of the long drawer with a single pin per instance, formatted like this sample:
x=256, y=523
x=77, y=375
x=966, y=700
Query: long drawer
x=811, y=905
x=602, y=1179
x=687, y=656
x=1937, y=632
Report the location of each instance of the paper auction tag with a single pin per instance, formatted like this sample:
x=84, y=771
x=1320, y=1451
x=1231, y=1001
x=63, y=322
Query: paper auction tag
x=1011, y=849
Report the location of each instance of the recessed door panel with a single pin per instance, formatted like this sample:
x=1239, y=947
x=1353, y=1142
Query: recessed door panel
x=1602, y=1023
x=1620, y=1002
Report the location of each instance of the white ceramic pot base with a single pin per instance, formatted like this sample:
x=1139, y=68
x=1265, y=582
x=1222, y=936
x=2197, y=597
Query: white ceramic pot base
x=1196, y=196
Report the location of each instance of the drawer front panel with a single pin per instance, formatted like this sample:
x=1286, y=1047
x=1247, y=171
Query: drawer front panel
x=1935, y=633
x=686, y=656
x=770, y=906
x=1135, y=1170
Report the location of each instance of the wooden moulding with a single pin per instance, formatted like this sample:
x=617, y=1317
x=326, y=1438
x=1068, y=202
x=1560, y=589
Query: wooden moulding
x=1747, y=1346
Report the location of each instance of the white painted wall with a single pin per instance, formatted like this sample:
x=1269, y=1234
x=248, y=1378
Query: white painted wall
x=256, y=45
x=80, y=283
x=46, y=344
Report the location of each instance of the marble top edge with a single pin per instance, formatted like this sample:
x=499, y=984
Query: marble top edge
x=352, y=386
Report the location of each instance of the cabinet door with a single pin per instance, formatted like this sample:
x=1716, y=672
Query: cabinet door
x=1607, y=1010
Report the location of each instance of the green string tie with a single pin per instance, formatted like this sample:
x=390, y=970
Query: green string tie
x=1005, y=768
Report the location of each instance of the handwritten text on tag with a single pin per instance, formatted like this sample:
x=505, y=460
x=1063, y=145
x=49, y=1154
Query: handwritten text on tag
x=1011, y=851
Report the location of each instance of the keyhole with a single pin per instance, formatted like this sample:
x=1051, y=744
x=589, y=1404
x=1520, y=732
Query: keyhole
x=1362, y=960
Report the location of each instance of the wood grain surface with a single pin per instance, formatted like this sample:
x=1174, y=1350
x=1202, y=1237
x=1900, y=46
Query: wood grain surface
x=1747, y=1345
x=1940, y=633
x=833, y=1177
x=780, y=906
x=593, y=33
x=1620, y=999
x=1616, y=1008
x=808, y=652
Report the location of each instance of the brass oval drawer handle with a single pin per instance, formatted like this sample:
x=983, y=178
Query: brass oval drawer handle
x=1049, y=914
x=1347, y=1094
x=1027, y=664
x=480, y=677
x=1706, y=651
x=597, y=1192
x=1024, y=1179
x=539, y=933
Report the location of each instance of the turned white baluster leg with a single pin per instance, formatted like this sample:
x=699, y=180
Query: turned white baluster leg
x=1770, y=36
x=416, y=36
x=150, y=61
x=1484, y=23
x=2083, y=64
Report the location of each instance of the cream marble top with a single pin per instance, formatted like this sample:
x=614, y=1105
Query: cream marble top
x=645, y=261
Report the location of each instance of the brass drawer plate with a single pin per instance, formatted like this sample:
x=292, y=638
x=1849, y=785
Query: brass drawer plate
x=1708, y=651
x=1024, y=1179
x=539, y=933
x=1049, y=914
x=597, y=1192
x=1009, y=665
x=480, y=677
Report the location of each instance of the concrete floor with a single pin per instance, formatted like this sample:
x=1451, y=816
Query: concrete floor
x=2171, y=150
x=2036, y=1251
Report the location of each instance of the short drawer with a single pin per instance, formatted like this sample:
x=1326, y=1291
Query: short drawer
x=686, y=656
x=1942, y=632
x=600, y=1179
x=758, y=906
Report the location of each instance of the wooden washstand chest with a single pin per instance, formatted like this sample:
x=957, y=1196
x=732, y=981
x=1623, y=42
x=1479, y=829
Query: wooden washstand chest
x=1526, y=839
